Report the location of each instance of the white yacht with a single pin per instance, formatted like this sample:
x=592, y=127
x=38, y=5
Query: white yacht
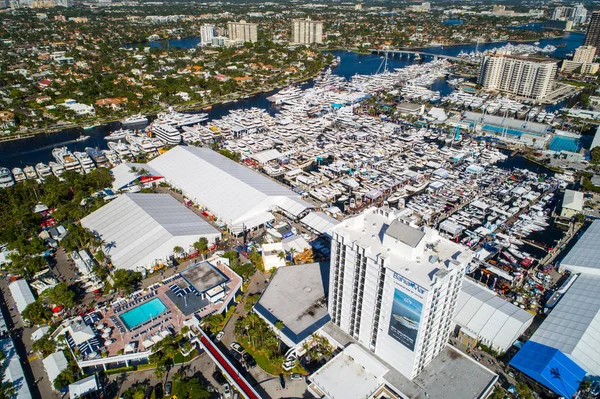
x=66, y=159
x=120, y=149
x=6, y=178
x=85, y=161
x=30, y=172
x=57, y=169
x=118, y=134
x=137, y=119
x=98, y=157
x=144, y=143
x=18, y=174
x=178, y=119
x=167, y=133
x=43, y=170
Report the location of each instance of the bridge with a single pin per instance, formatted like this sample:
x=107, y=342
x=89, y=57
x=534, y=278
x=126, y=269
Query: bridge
x=234, y=376
x=411, y=54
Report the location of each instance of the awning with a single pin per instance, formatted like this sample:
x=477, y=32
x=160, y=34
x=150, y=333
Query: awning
x=253, y=222
x=147, y=343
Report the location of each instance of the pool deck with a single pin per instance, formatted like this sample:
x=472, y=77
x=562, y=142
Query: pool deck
x=171, y=317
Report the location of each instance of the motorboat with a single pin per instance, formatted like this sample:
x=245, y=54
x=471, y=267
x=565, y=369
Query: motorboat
x=118, y=134
x=120, y=149
x=30, y=172
x=98, y=157
x=18, y=174
x=166, y=133
x=6, y=178
x=137, y=119
x=66, y=159
x=86, y=162
x=57, y=169
x=82, y=138
x=43, y=170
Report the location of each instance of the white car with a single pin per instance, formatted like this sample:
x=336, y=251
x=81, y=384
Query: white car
x=238, y=348
x=226, y=391
x=219, y=336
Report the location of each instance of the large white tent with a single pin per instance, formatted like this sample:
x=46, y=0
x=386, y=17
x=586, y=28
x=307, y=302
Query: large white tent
x=573, y=326
x=21, y=294
x=54, y=364
x=237, y=195
x=496, y=322
x=583, y=257
x=141, y=229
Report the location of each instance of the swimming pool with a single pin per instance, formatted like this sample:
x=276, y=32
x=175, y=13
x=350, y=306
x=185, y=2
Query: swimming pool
x=141, y=314
x=565, y=143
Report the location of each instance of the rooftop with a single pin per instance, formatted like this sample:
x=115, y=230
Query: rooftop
x=583, y=257
x=203, y=276
x=13, y=371
x=296, y=297
x=573, y=200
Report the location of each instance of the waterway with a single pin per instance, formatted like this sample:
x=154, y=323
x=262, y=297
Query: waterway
x=30, y=151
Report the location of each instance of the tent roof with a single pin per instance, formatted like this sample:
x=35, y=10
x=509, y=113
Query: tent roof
x=583, y=257
x=550, y=367
x=13, y=371
x=54, y=365
x=123, y=174
x=294, y=205
x=22, y=294
x=83, y=387
x=481, y=311
x=135, y=224
x=266, y=156
x=573, y=326
x=231, y=191
x=573, y=200
x=320, y=222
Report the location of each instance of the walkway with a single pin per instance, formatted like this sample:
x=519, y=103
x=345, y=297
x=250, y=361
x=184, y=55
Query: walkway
x=219, y=358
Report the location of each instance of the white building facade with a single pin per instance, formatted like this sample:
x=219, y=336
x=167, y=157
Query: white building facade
x=305, y=31
x=242, y=31
x=207, y=32
x=394, y=287
x=524, y=76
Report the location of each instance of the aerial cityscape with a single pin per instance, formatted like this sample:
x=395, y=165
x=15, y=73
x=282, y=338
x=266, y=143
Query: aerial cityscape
x=329, y=200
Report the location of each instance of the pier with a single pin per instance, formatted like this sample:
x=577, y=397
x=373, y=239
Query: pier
x=412, y=54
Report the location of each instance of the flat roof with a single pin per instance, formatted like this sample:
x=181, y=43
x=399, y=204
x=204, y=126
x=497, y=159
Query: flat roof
x=296, y=296
x=203, y=276
x=583, y=257
x=13, y=371
x=21, y=294
x=320, y=222
x=83, y=387
x=573, y=200
x=54, y=364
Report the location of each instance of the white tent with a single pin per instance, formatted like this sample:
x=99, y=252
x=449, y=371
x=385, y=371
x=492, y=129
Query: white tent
x=54, y=364
x=22, y=294
x=319, y=222
x=139, y=229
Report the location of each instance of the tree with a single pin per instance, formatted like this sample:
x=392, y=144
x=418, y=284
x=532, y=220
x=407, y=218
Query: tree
x=37, y=313
x=523, y=391
x=45, y=345
x=65, y=378
x=7, y=391
x=190, y=389
x=178, y=251
x=214, y=323
x=135, y=392
x=26, y=266
x=250, y=301
x=60, y=295
x=201, y=245
x=126, y=280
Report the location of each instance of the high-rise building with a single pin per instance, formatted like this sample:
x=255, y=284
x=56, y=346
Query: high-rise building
x=305, y=31
x=524, y=76
x=584, y=54
x=207, y=32
x=592, y=37
x=579, y=14
x=394, y=287
x=243, y=31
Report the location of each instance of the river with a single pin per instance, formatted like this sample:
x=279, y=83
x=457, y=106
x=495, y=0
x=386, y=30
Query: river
x=30, y=151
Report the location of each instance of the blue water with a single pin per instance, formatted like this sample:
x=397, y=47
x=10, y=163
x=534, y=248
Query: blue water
x=533, y=26
x=36, y=149
x=141, y=314
x=501, y=130
x=452, y=22
x=564, y=143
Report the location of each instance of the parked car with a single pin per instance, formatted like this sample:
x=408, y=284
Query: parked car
x=219, y=336
x=249, y=360
x=237, y=347
x=168, y=388
x=296, y=376
x=158, y=391
x=226, y=391
x=218, y=377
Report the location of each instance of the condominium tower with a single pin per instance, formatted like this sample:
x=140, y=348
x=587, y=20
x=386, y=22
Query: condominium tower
x=207, y=32
x=394, y=287
x=305, y=31
x=592, y=37
x=523, y=76
x=584, y=54
x=243, y=31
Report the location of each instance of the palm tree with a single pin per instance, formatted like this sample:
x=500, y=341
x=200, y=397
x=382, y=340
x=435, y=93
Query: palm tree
x=292, y=252
x=177, y=250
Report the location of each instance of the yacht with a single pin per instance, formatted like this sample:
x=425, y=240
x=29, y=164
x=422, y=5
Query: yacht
x=6, y=178
x=143, y=143
x=137, y=119
x=120, y=149
x=98, y=157
x=18, y=174
x=30, y=172
x=85, y=161
x=57, y=169
x=66, y=159
x=43, y=170
x=178, y=119
x=118, y=134
x=167, y=133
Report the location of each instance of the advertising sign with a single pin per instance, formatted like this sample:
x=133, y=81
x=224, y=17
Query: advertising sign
x=405, y=319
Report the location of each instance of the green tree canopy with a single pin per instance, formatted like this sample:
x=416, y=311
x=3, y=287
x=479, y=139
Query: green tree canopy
x=126, y=280
x=37, y=313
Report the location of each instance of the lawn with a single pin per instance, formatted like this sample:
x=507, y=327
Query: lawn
x=262, y=361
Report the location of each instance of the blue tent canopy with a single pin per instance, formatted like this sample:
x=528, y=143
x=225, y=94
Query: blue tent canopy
x=550, y=367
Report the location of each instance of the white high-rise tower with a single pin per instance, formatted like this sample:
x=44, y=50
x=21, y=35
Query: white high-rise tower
x=394, y=287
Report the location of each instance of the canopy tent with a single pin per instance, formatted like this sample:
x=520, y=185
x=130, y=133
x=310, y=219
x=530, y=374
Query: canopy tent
x=320, y=222
x=550, y=367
